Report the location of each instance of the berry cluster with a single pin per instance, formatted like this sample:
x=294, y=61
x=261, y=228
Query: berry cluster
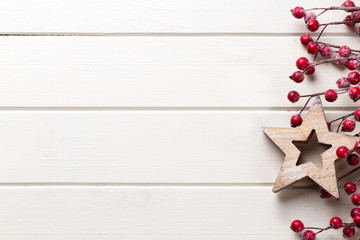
x=335, y=222
x=342, y=56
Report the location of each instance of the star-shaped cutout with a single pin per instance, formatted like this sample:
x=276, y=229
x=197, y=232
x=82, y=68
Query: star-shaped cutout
x=290, y=173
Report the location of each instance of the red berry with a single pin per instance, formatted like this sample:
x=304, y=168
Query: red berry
x=326, y=52
x=305, y=39
x=296, y=120
x=348, y=231
x=342, y=152
x=309, y=235
x=302, y=63
x=297, y=76
x=344, y=51
x=297, y=226
x=352, y=64
x=336, y=222
x=353, y=160
x=355, y=198
x=310, y=71
x=356, y=218
x=313, y=48
x=357, y=115
x=340, y=61
x=342, y=83
x=350, y=187
x=330, y=95
x=313, y=25
x=293, y=96
x=354, y=78
x=348, y=4
x=357, y=147
x=354, y=212
x=349, y=19
x=354, y=93
x=348, y=125
x=308, y=16
x=355, y=15
x=298, y=12
x=324, y=194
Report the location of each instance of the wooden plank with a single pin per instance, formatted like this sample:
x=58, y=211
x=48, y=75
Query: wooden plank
x=72, y=212
x=157, y=16
x=157, y=72
x=141, y=146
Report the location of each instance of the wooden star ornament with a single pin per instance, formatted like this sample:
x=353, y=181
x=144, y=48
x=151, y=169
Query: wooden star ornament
x=290, y=173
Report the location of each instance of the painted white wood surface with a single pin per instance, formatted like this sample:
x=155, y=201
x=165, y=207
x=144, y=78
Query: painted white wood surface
x=210, y=147
x=182, y=212
x=151, y=129
x=156, y=16
x=140, y=72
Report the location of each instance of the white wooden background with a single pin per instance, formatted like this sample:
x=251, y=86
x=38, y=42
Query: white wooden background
x=140, y=119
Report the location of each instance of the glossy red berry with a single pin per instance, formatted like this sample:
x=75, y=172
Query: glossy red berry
x=298, y=12
x=357, y=147
x=354, y=212
x=354, y=93
x=339, y=61
x=342, y=152
x=324, y=194
x=309, y=235
x=293, y=96
x=308, y=16
x=350, y=187
x=331, y=95
x=355, y=199
x=349, y=19
x=344, y=51
x=356, y=219
x=305, y=39
x=297, y=77
x=353, y=160
x=348, y=4
x=313, y=25
x=302, y=63
x=354, y=78
x=310, y=71
x=336, y=222
x=357, y=115
x=342, y=83
x=296, y=120
x=313, y=48
x=348, y=231
x=355, y=15
x=297, y=226
x=348, y=125
x=352, y=64
x=326, y=52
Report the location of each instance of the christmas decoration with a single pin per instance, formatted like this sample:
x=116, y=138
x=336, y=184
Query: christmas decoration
x=342, y=56
x=290, y=172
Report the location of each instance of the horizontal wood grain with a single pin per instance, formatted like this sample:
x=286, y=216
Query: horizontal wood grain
x=157, y=72
x=157, y=16
x=211, y=147
x=159, y=212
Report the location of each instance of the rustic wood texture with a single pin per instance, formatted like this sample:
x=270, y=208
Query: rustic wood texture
x=290, y=172
x=141, y=119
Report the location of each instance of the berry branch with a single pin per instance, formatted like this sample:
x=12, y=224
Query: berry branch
x=342, y=56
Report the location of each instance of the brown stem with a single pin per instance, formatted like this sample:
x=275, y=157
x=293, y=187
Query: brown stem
x=336, y=46
x=329, y=60
x=343, y=117
x=339, y=23
x=335, y=8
